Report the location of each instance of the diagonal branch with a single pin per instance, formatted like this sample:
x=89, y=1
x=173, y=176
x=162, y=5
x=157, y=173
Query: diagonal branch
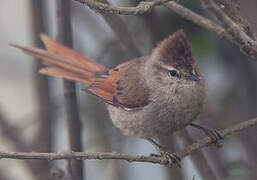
x=121, y=32
x=248, y=45
x=130, y=158
x=234, y=34
x=11, y=133
x=142, y=8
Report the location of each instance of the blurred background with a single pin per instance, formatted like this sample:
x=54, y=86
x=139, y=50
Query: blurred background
x=33, y=116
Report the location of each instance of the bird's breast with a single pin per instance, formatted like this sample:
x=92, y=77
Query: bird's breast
x=167, y=113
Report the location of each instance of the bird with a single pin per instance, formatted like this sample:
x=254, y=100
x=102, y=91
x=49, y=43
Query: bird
x=149, y=97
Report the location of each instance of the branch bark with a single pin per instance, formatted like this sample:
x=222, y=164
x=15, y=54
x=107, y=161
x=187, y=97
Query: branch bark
x=142, y=8
x=247, y=45
x=130, y=158
x=234, y=34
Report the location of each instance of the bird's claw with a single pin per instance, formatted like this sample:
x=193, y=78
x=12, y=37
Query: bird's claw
x=171, y=158
x=215, y=135
x=155, y=155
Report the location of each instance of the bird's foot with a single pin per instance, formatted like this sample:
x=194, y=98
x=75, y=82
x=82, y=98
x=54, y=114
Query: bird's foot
x=171, y=158
x=215, y=135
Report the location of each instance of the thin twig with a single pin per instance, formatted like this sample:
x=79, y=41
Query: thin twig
x=64, y=35
x=120, y=30
x=234, y=34
x=142, y=8
x=196, y=18
x=130, y=158
x=43, y=138
x=246, y=44
x=200, y=159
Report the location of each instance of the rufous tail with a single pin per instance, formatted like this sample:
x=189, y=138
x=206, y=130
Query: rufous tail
x=64, y=62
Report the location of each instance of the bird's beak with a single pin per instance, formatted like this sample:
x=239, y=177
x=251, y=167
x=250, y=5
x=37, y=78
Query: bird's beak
x=193, y=77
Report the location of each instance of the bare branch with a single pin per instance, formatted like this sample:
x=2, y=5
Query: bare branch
x=246, y=43
x=121, y=32
x=234, y=34
x=130, y=158
x=142, y=8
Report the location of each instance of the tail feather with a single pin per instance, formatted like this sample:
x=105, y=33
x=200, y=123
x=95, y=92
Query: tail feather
x=70, y=56
x=59, y=72
x=52, y=59
x=64, y=62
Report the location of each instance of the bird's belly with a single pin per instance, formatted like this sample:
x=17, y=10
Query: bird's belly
x=156, y=120
x=148, y=122
x=134, y=123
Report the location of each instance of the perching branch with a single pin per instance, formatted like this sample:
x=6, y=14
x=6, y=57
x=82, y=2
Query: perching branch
x=130, y=158
x=142, y=8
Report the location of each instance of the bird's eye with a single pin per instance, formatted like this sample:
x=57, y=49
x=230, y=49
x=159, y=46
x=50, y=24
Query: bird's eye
x=173, y=73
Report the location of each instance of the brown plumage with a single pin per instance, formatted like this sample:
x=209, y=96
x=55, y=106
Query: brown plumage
x=176, y=51
x=109, y=85
x=149, y=97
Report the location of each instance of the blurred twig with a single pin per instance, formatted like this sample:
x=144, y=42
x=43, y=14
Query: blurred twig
x=130, y=158
x=121, y=32
x=142, y=8
x=246, y=44
x=199, y=159
x=12, y=133
x=74, y=124
x=235, y=30
x=43, y=139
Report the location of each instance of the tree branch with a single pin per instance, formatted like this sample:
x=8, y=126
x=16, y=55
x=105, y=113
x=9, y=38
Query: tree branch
x=121, y=32
x=142, y=8
x=234, y=34
x=247, y=45
x=130, y=158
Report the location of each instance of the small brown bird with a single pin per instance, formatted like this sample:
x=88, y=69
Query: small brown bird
x=149, y=97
